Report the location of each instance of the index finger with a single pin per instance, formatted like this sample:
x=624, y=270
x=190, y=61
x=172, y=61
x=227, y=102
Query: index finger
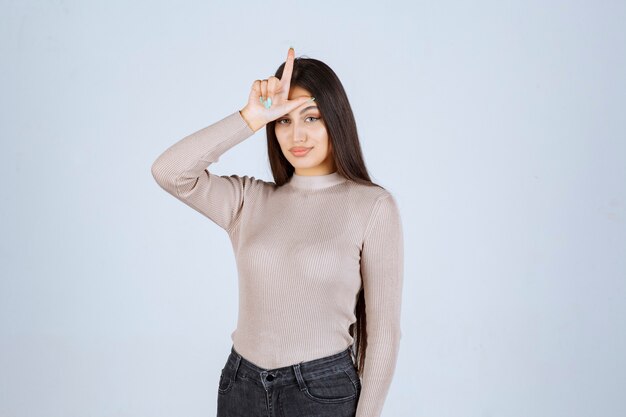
x=286, y=77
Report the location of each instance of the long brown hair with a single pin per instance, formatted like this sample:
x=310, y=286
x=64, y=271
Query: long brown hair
x=323, y=84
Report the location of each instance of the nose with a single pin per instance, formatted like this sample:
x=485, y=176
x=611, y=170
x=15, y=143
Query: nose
x=299, y=133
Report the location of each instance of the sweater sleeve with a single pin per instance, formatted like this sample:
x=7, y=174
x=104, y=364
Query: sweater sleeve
x=182, y=171
x=382, y=258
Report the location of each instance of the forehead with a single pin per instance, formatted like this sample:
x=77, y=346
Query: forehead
x=297, y=91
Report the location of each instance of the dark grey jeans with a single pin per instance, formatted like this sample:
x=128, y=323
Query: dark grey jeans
x=323, y=387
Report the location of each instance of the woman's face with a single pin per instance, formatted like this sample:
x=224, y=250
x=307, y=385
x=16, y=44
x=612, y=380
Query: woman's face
x=304, y=128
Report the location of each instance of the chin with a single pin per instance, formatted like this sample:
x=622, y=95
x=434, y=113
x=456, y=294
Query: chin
x=304, y=164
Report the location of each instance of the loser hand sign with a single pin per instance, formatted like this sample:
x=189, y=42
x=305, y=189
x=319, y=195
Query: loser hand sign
x=268, y=98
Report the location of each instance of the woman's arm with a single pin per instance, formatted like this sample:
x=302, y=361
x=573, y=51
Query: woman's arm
x=382, y=258
x=181, y=171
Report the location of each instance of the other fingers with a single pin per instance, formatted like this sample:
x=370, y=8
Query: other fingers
x=264, y=89
x=273, y=87
x=256, y=87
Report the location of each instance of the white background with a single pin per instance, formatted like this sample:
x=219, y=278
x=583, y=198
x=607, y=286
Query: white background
x=498, y=125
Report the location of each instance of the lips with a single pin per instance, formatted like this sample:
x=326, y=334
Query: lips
x=299, y=150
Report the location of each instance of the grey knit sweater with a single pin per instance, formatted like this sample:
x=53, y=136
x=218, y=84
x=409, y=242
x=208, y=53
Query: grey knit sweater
x=303, y=250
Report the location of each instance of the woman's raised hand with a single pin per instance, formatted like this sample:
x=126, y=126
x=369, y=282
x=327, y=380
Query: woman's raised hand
x=268, y=98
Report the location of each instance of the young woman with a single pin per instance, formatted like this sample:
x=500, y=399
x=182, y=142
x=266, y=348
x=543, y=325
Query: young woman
x=318, y=251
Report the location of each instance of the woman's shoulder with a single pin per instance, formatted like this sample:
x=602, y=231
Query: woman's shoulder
x=249, y=183
x=370, y=191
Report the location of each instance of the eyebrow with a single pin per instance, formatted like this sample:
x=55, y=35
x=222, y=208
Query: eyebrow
x=307, y=108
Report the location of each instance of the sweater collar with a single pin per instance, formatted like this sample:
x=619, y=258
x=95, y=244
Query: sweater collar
x=316, y=181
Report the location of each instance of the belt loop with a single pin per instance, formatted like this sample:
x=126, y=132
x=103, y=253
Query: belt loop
x=296, y=370
x=237, y=363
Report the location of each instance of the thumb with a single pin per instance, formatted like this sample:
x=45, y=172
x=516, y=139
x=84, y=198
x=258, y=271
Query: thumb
x=295, y=103
x=306, y=100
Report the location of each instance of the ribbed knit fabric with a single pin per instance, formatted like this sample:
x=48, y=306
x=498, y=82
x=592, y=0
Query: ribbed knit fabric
x=302, y=250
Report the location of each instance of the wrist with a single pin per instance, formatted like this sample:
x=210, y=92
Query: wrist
x=255, y=125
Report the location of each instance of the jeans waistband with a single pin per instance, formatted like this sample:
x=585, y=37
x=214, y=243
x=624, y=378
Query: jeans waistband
x=240, y=367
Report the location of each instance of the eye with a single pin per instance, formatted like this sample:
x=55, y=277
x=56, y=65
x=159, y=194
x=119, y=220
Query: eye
x=280, y=121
